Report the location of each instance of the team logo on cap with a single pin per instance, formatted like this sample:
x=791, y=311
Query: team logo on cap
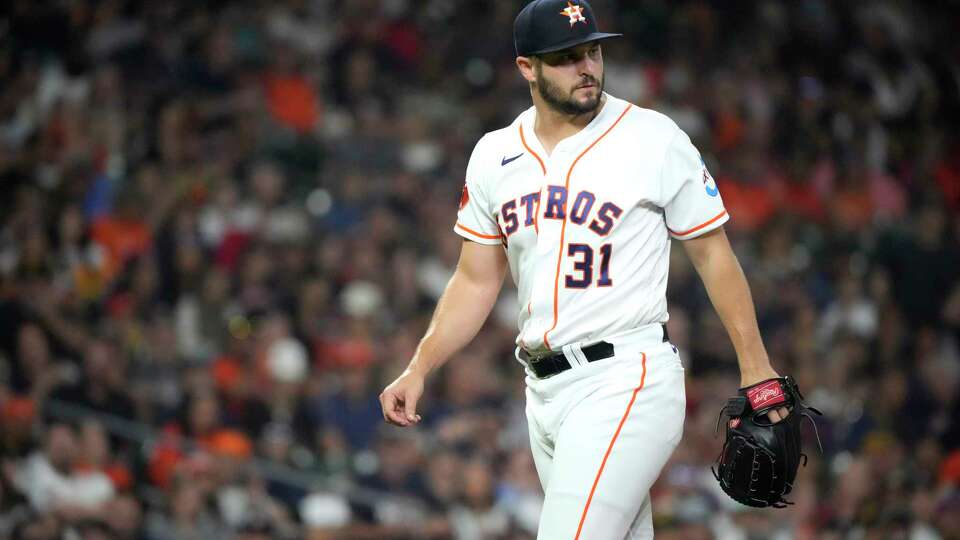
x=575, y=13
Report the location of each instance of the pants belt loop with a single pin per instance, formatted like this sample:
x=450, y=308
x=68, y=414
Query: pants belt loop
x=578, y=350
x=574, y=355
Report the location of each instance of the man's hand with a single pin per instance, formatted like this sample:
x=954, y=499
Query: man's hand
x=752, y=378
x=399, y=399
x=465, y=304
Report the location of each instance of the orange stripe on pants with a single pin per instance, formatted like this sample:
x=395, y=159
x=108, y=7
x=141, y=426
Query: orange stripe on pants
x=613, y=440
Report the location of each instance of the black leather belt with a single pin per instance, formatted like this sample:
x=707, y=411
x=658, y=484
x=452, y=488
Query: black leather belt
x=551, y=364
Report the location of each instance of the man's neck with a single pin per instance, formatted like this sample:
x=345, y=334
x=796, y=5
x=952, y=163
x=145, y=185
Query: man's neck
x=552, y=126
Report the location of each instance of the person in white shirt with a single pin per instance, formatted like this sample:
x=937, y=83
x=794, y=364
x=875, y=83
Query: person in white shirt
x=48, y=478
x=579, y=198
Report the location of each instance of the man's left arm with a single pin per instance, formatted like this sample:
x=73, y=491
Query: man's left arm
x=729, y=293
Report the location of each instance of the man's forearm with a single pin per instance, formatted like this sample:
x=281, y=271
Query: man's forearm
x=730, y=295
x=460, y=314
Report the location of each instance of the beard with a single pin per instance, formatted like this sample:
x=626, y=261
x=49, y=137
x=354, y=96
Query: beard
x=563, y=102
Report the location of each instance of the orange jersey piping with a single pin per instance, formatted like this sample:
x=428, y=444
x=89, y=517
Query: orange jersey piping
x=475, y=233
x=563, y=226
x=698, y=227
x=534, y=154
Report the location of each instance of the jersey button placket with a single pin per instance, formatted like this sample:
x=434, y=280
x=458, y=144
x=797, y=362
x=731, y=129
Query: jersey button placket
x=541, y=289
x=550, y=249
x=540, y=298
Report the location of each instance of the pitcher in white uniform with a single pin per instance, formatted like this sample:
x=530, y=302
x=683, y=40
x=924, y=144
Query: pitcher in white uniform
x=580, y=197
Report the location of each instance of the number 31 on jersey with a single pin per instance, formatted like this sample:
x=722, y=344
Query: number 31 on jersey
x=583, y=265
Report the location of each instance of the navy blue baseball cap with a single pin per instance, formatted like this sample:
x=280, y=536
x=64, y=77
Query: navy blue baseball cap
x=544, y=26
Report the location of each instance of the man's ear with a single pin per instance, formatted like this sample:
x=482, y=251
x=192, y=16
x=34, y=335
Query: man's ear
x=526, y=65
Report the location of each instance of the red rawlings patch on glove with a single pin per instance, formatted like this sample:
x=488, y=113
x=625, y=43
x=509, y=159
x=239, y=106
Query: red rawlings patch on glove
x=766, y=395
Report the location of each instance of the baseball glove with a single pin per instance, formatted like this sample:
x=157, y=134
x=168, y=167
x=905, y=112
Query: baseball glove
x=759, y=460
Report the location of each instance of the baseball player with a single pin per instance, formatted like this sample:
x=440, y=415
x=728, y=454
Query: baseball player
x=580, y=197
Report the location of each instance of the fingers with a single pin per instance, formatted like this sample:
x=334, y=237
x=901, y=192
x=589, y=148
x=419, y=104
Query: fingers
x=410, y=409
x=392, y=407
x=398, y=409
x=777, y=415
x=399, y=400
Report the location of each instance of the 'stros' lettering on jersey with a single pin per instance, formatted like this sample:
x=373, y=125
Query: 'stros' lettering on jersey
x=590, y=266
x=521, y=212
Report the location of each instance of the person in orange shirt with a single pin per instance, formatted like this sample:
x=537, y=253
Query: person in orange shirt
x=124, y=235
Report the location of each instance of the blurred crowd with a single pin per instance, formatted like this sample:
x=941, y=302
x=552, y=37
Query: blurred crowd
x=224, y=225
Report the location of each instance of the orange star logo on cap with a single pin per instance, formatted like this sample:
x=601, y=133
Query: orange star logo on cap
x=575, y=13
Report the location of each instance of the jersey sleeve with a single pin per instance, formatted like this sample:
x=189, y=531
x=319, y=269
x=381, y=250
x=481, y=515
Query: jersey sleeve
x=475, y=220
x=692, y=203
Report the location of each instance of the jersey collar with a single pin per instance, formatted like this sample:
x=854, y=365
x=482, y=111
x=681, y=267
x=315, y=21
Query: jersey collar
x=611, y=110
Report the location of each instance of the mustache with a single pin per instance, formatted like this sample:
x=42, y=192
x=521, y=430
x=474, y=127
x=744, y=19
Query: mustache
x=587, y=81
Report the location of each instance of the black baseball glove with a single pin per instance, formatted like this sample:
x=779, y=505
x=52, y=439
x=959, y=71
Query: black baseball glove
x=760, y=459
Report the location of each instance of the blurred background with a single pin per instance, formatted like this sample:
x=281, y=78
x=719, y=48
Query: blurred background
x=224, y=225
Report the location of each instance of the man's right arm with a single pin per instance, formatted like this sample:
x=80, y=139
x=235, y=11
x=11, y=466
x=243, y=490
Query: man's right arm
x=461, y=311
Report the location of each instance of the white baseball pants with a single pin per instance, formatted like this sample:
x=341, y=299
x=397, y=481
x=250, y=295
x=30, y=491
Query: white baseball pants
x=601, y=432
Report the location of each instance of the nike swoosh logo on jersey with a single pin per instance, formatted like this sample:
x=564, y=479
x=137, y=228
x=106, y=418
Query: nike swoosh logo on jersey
x=713, y=192
x=506, y=160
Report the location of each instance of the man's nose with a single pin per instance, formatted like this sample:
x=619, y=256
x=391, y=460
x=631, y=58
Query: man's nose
x=587, y=66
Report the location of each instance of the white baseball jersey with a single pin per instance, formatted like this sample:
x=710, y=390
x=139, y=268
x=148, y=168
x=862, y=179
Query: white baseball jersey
x=587, y=227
